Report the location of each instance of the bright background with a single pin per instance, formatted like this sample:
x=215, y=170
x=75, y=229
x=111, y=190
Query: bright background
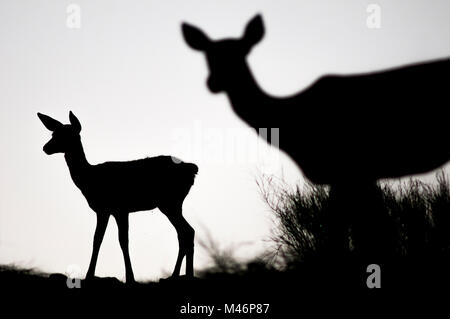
x=139, y=91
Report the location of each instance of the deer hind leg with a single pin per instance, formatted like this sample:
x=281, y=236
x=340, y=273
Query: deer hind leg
x=122, y=225
x=102, y=222
x=185, y=241
x=188, y=246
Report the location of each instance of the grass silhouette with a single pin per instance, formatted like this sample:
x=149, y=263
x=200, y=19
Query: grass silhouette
x=418, y=212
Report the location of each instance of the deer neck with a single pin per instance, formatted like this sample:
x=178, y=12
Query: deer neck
x=78, y=164
x=248, y=100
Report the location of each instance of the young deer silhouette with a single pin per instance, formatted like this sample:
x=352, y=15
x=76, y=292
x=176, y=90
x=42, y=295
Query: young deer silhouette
x=342, y=130
x=121, y=188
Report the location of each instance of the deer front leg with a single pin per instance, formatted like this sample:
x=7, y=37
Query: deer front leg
x=102, y=222
x=122, y=225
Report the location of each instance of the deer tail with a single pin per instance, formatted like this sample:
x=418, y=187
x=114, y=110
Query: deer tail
x=191, y=168
x=189, y=172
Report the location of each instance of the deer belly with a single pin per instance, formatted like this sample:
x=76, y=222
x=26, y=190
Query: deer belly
x=125, y=201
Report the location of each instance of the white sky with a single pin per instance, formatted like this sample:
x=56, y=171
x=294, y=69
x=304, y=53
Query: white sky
x=136, y=86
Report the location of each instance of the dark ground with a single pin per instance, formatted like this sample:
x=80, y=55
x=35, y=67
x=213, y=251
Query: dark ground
x=407, y=287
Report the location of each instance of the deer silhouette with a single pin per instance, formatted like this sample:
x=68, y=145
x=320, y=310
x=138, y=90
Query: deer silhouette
x=341, y=130
x=121, y=188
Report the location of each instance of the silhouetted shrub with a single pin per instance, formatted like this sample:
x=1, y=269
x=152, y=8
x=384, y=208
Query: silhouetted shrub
x=224, y=262
x=297, y=216
x=420, y=213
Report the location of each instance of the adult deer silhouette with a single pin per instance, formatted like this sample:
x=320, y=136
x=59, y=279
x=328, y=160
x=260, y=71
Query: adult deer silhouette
x=341, y=130
x=121, y=188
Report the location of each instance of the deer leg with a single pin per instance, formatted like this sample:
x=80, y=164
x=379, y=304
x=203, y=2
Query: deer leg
x=176, y=222
x=122, y=225
x=189, y=235
x=185, y=242
x=176, y=270
x=102, y=222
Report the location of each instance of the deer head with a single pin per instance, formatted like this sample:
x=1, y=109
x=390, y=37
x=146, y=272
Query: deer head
x=222, y=56
x=64, y=137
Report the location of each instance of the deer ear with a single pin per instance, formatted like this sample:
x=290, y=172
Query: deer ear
x=195, y=37
x=74, y=122
x=49, y=123
x=254, y=31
